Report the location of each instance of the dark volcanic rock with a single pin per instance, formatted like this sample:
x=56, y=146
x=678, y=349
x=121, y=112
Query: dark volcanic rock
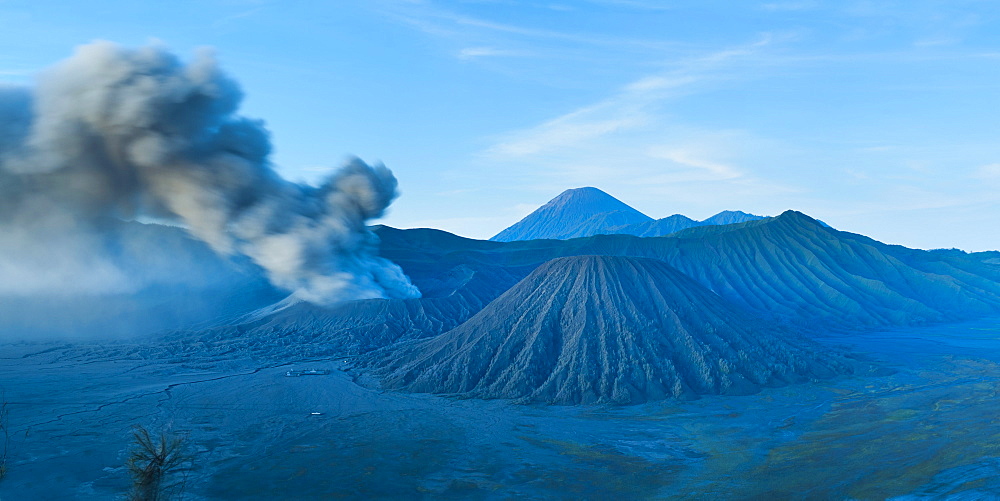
x=600, y=329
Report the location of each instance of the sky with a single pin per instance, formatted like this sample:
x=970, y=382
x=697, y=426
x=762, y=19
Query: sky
x=878, y=117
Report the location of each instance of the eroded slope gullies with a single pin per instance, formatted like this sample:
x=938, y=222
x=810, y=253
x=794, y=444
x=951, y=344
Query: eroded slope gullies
x=794, y=267
x=790, y=267
x=599, y=329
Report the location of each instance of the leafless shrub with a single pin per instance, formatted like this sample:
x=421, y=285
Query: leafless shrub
x=153, y=462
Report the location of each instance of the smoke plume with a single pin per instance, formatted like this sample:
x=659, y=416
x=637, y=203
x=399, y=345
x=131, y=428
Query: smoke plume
x=115, y=133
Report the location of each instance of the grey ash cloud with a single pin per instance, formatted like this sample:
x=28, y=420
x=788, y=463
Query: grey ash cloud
x=114, y=132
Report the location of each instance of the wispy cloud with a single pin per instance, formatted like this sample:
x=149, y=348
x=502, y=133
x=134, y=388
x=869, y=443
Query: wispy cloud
x=990, y=172
x=478, y=52
x=935, y=42
x=566, y=131
x=239, y=15
x=691, y=157
x=507, y=38
x=632, y=141
x=635, y=106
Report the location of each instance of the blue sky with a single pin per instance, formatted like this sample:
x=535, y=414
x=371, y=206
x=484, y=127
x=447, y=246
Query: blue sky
x=877, y=117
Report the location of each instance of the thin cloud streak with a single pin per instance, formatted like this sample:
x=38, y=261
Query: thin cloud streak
x=467, y=30
x=988, y=172
x=478, y=52
x=632, y=107
x=687, y=157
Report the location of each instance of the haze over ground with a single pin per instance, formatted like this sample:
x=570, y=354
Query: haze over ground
x=874, y=117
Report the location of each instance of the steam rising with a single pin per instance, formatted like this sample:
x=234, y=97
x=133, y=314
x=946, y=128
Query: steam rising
x=119, y=133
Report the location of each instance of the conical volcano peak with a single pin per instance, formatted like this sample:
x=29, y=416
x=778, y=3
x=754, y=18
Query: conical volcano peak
x=578, y=212
x=589, y=195
x=588, y=211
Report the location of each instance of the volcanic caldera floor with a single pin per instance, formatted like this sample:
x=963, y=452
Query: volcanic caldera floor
x=927, y=430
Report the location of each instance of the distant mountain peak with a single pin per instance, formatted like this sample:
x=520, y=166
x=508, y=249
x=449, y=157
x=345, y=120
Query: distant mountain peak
x=799, y=214
x=798, y=217
x=584, y=191
x=588, y=195
x=573, y=213
x=731, y=217
x=588, y=211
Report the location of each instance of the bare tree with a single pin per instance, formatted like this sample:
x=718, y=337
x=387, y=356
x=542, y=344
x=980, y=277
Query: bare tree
x=152, y=463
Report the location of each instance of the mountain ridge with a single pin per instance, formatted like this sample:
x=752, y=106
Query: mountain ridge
x=790, y=267
x=588, y=211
